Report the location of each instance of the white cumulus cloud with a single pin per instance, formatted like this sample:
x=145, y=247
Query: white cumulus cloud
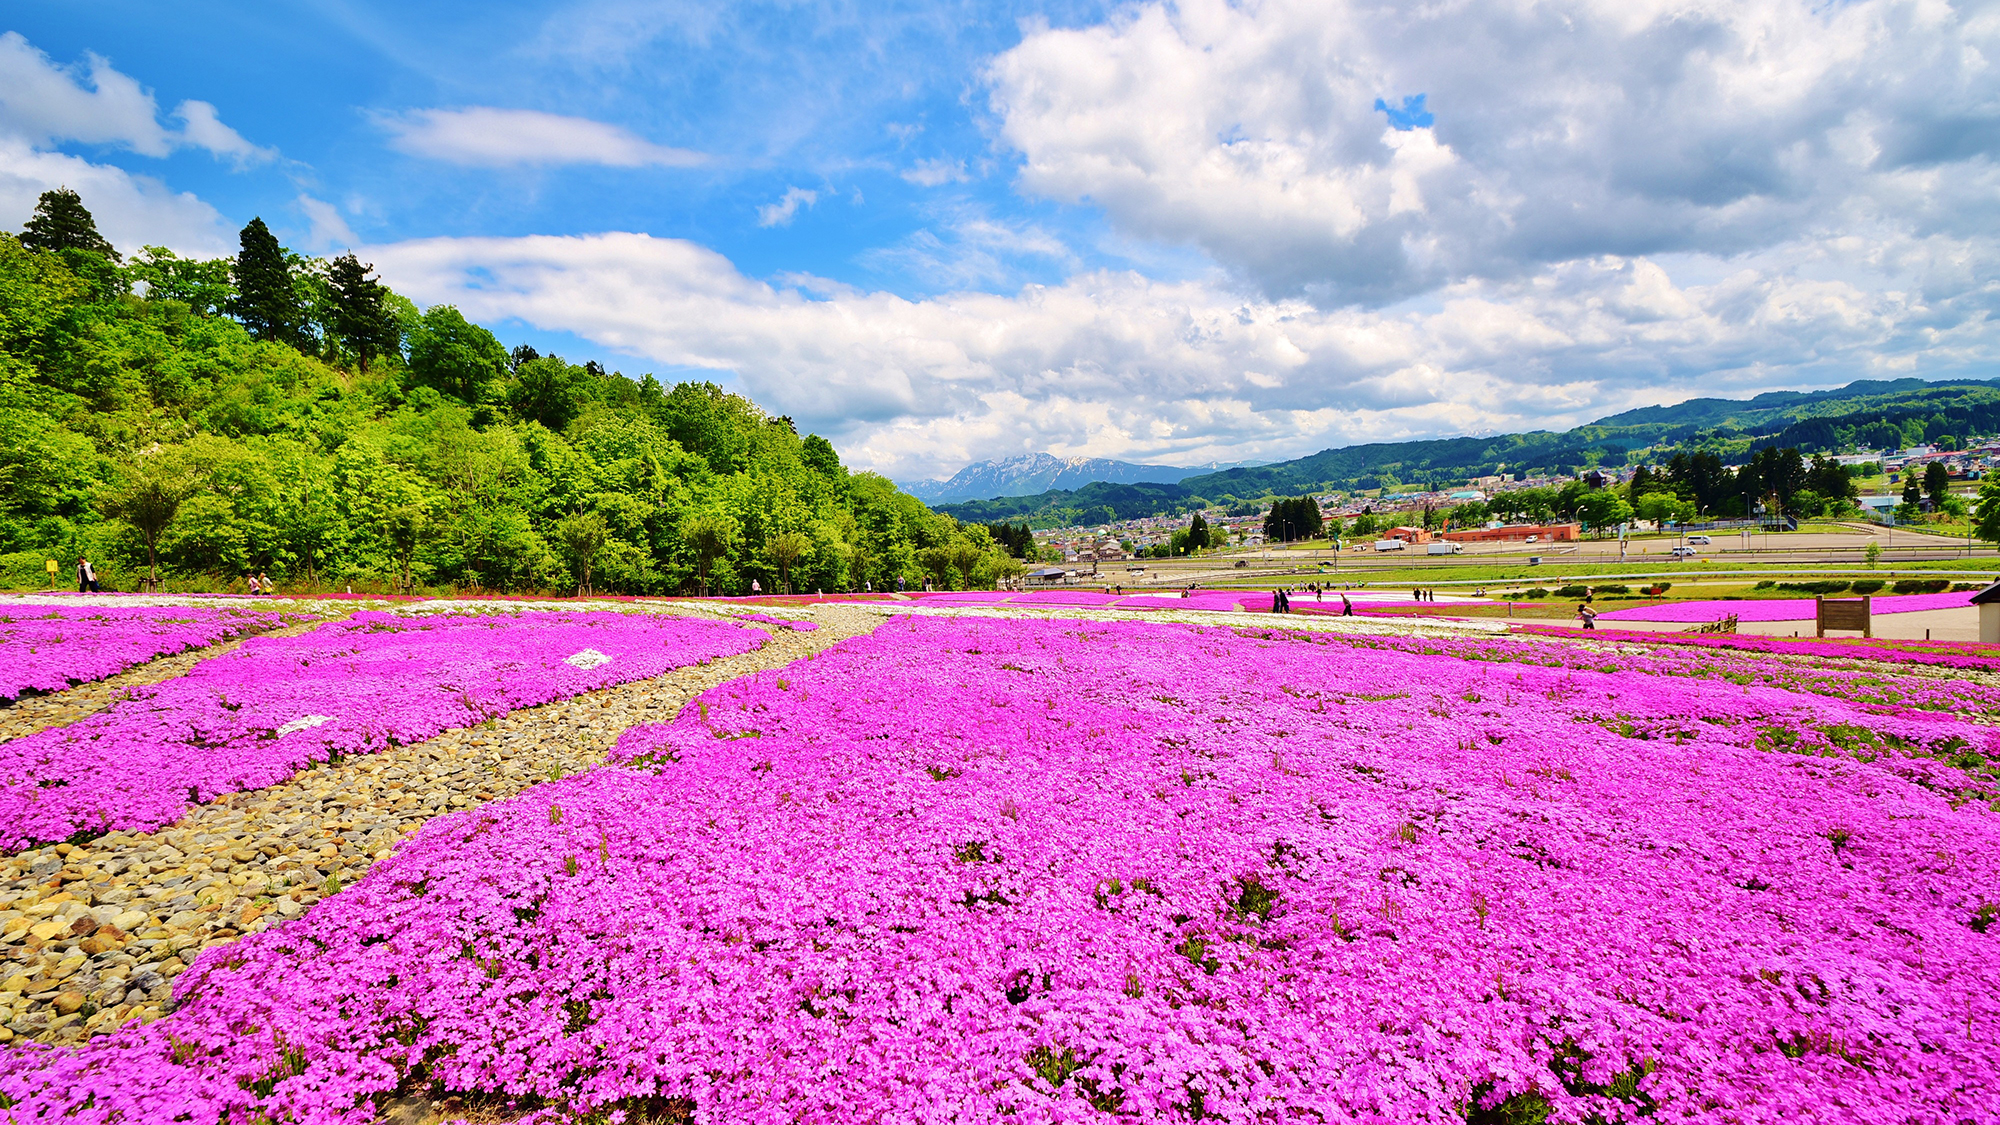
x=132, y=211
x=487, y=136
x=45, y=104
x=781, y=213
x=1558, y=131
x=1115, y=364
x=326, y=229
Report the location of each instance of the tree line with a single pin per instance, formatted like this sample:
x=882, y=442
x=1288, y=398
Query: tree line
x=274, y=413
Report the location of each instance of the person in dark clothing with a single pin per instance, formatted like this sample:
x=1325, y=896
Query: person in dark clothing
x=1346, y=607
x=82, y=575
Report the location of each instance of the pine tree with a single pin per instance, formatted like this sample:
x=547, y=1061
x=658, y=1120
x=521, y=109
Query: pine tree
x=361, y=317
x=266, y=300
x=62, y=222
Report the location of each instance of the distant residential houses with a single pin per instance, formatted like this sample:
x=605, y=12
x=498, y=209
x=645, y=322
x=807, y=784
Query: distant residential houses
x=1963, y=464
x=1127, y=540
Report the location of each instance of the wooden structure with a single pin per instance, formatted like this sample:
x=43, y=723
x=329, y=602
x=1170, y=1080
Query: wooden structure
x=1988, y=601
x=1846, y=614
x=1517, y=533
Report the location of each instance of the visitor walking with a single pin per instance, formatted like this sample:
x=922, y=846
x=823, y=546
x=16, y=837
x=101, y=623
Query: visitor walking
x=265, y=584
x=1346, y=607
x=756, y=588
x=250, y=581
x=1586, y=614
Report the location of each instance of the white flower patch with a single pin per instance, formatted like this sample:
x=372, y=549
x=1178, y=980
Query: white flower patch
x=587, y=659
x=303, y=724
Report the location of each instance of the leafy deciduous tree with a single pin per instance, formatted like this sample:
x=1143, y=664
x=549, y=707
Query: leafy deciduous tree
x=452, y=355
x=148, y=502
x=786, y=550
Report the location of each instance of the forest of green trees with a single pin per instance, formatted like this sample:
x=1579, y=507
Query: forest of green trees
x=291, y=416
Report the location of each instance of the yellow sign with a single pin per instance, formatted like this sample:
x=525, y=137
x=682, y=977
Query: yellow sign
x=53, y=568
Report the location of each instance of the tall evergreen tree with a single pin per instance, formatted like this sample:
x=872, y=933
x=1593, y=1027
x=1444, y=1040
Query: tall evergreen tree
x=267, y=302
x=62, y=222
x=1937, y=482
x=361, y=319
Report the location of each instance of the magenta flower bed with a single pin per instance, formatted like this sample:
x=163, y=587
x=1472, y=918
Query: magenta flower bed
x=937, y=875
x=254, y=716
x=47, y=648
x=1941, y=654
x=1778, y=609
x=1653, y=654
x=1217, y=600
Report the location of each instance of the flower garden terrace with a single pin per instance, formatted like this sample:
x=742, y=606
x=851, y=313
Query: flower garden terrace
x=1064, y=870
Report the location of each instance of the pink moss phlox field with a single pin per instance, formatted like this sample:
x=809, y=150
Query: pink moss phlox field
x=793, y=624
x=1940, y=654
x=977, y=870
x=47, y=648
x=1215, y=600
x=254, y=716
x=1777, y=609
x=1880, y=686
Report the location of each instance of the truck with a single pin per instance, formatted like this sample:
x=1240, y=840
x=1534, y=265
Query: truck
x=1388, y=544
x=1444, y=548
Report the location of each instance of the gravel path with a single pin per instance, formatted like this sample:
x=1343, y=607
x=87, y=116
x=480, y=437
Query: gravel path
x=92, y=935
x=40, y=712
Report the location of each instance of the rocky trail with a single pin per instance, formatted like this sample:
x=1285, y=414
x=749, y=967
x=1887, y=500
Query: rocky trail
x=93, y=934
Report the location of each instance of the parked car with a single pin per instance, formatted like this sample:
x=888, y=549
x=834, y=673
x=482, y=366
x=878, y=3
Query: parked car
x=1531, y=538
x=1683, y=552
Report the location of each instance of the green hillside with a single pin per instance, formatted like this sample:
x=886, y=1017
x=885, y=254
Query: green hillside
x=285, y=415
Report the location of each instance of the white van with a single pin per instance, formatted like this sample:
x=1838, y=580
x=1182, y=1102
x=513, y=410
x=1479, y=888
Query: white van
x=1701, y=539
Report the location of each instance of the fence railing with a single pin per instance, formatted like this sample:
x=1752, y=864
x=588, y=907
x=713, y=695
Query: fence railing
x=1768, y=523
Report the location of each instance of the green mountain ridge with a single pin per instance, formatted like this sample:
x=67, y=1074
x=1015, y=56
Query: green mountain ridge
x=1863, y=414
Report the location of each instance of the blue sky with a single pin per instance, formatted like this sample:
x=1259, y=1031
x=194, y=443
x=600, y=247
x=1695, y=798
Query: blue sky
x=945, y=232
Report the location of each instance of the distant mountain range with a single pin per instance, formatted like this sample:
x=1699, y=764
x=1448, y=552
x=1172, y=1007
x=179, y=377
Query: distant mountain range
x=1035, y=473
x=1867, y=414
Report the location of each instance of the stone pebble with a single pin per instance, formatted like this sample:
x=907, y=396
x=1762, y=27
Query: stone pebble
x=92, y=935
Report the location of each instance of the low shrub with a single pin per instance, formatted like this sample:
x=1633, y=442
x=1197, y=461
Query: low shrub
x=1868, y=585
x=1823, y=586
x=1764, y=585
x=1920, y=585
x=1614, y=589
x=1536, y=592
x=1963, y=587
x=1573, y=590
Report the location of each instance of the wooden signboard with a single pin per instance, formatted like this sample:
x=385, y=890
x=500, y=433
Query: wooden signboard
x=1849, y=614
